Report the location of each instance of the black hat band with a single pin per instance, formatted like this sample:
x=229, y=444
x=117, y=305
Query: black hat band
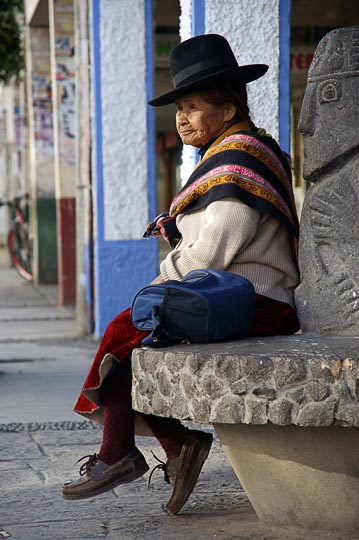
x=216, y=62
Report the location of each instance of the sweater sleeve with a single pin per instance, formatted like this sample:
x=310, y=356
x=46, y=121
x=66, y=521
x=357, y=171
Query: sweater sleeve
x=229, y=226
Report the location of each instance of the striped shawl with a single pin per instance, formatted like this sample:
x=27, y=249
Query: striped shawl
x=246, y=165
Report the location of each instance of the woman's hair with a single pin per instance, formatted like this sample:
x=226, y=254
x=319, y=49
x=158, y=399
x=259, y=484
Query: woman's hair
x=234, y=92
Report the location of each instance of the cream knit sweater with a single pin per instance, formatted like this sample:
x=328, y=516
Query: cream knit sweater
x=229, y=235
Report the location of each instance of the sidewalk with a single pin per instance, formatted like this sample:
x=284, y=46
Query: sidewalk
x=35, y=307
x=42, y=361
x=42, y=366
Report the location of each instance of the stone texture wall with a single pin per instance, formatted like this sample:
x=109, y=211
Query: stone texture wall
x=252, y=29
x=124, y=119
x=122, y=151
x=296, y=380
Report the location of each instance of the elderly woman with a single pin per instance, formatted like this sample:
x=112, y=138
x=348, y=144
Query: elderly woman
x=235, y=213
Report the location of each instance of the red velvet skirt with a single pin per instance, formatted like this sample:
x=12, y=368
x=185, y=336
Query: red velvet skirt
x=121, y=337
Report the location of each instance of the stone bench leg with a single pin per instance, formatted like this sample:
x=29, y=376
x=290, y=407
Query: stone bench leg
x=296, y=476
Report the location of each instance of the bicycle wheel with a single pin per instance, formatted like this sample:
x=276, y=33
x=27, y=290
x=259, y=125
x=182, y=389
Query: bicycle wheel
x=20, y=253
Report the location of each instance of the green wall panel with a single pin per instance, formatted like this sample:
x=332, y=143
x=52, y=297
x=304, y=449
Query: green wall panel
x=47, y=241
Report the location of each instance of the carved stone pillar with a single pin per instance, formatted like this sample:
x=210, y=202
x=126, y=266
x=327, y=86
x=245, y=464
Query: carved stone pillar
x=328, y=296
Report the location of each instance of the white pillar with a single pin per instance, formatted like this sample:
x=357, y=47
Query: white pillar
x=254, y=32
x=123, y=158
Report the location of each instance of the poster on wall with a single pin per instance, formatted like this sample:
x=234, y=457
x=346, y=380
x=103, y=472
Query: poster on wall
x=65, y=79
x=42, y=92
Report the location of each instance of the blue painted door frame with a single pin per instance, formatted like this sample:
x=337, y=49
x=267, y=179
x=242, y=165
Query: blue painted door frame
x=121, y=267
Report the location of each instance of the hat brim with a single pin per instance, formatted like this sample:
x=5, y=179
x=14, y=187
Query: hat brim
x=246, y=74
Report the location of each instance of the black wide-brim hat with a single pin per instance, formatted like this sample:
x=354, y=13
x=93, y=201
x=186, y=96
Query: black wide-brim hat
x=201, y=61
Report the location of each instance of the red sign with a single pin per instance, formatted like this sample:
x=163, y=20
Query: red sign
x=300, y=61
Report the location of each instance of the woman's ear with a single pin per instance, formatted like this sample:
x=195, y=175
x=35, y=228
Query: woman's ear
x=230, y=112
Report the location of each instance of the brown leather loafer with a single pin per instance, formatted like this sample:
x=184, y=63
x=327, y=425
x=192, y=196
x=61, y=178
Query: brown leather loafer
x=184, y=471
x=96, y=477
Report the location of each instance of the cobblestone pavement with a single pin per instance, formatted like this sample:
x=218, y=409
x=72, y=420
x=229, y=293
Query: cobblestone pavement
x=37, y=459
x=42, y=367
x=34, y=464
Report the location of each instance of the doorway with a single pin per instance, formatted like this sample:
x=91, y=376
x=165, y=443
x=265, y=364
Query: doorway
x=168, y=143
x=310, y=21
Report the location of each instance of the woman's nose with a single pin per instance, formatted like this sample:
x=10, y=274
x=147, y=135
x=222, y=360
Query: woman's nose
x=181, y=118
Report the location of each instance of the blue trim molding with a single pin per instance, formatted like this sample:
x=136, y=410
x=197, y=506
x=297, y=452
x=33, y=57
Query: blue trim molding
x=97, y=180
x=198, y=17
x=97, y=96
x=151, y=136
x=121, y=267
x=198, y=27
x=284, y=74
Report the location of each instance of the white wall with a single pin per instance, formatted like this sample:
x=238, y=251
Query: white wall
x=252, y=29
x=124, y=118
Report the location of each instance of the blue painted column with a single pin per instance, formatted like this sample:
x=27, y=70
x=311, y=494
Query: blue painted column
x=123, y=161
x=198, y=17
x=193, y=24
x=284, y=74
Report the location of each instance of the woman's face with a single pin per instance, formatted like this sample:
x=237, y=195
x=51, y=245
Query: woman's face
x=199, y=122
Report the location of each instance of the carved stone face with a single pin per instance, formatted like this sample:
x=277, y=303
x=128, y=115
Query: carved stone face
x=329, y=123
x=329, y=118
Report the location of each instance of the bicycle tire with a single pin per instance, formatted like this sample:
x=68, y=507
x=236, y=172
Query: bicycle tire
x=19, y=253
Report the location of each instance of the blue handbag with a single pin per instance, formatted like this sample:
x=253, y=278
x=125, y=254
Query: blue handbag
x=204, y=306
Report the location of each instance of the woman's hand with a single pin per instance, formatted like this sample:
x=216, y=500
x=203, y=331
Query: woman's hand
x=158, y=279
x=164, y=225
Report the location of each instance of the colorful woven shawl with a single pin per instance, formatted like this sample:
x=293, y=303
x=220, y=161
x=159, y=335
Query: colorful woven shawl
x=246, y=165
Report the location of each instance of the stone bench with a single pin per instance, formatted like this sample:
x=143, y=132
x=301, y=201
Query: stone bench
x=286, y=411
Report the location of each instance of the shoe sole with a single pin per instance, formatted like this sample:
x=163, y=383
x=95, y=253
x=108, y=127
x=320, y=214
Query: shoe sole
x=107, y=487
x=174, y=508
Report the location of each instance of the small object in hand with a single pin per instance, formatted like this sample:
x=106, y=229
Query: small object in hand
x=153, y=228
x=164, y=225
